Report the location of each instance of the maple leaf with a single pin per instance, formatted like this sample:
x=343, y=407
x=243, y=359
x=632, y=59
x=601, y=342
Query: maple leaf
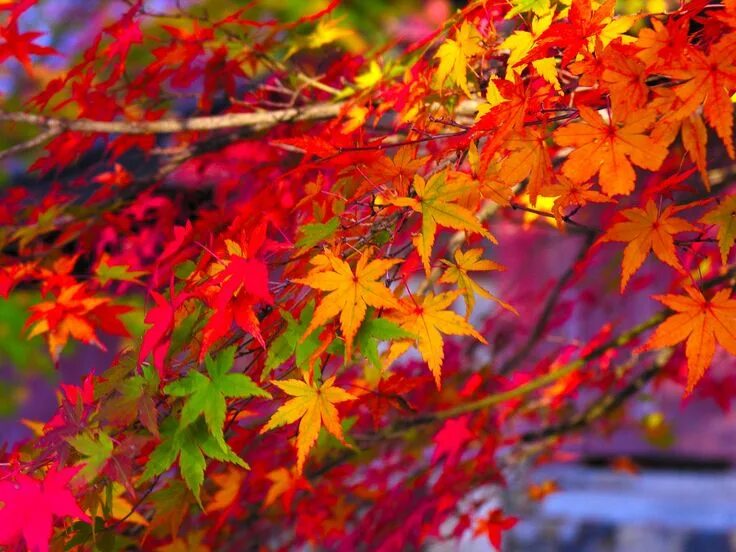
x=428, y=318
x=96, y=451
x=206, y=396
x=190, y=445
x=75, y=314
x=567, y=193
x=314, y=405
x=437, y=202
x=229, y=484
x=284, y=484
x=399, y=170
x=30, y=505
x=609, y=149
x=528, y=158
x=573, y=35
x=454, y=55
x=451, y=440
x=157, y=339
x=708, y=79
x=21, y=46
x=106, y=272
x=290, y=342
x=373, y=331
x=457, y=273
x=350, y=293
x=521, y=42
x=724, y=215
x=646, y=230
x=493, y=526
x=700, y=321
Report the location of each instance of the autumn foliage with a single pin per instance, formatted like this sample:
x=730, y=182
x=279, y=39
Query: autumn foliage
x=344, y=284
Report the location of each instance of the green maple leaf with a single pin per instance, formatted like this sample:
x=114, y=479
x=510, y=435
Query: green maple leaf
x=725, y=217
x=206, y=396
x=96, y=451
x=539, y=7
x=106, y=273
x=372, y=332
x=314, y=233
x=192, y=445
x=290, y=343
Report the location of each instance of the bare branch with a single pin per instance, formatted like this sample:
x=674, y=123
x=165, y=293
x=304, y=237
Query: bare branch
x=29, y=144
x=259, y=120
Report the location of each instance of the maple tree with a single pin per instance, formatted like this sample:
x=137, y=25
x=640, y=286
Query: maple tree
x=341, y=277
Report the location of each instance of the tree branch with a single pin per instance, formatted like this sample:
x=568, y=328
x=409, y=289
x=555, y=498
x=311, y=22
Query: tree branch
x=259, y=120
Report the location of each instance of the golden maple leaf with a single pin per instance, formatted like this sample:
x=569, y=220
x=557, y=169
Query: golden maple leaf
x=454, y=55
x=428, y=318
x=609, y=148
x=437, y=202
x=314, y=406
x=350, y=293
x=457, y=273
x=700, y=321
x=647, y=230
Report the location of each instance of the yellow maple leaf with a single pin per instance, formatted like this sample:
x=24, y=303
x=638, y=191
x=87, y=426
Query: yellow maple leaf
x=457, y=273
x=700, y=321
x=428, y=318
x=647, y=230
x=350, y=293
x=454, y=55
x=521, y=42
x=314, y=406
x=437, y=202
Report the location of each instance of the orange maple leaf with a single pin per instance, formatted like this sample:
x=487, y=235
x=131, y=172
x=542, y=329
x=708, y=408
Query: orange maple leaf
x=229, y=484
x=314, y=405
x=567, y=193
x=528, y=158
x=708, y=79
x=647, y=230
x=350, y=293
x=399, y=170
x=428, y=318
x=609, y=148
x=284, y=484
x=75, y=314
x=700, y=321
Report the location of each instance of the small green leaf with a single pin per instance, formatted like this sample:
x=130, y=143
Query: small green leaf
x=105, y=273
x=314, y=233
x=96, y=452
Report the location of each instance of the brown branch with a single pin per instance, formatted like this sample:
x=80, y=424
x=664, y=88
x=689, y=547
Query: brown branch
x=259, y=120
x=30, y=144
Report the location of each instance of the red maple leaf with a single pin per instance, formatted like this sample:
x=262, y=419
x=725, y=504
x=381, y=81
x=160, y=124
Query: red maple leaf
x=493, y=526
x=21, y=45
x=30, y=506
x=451, y=440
